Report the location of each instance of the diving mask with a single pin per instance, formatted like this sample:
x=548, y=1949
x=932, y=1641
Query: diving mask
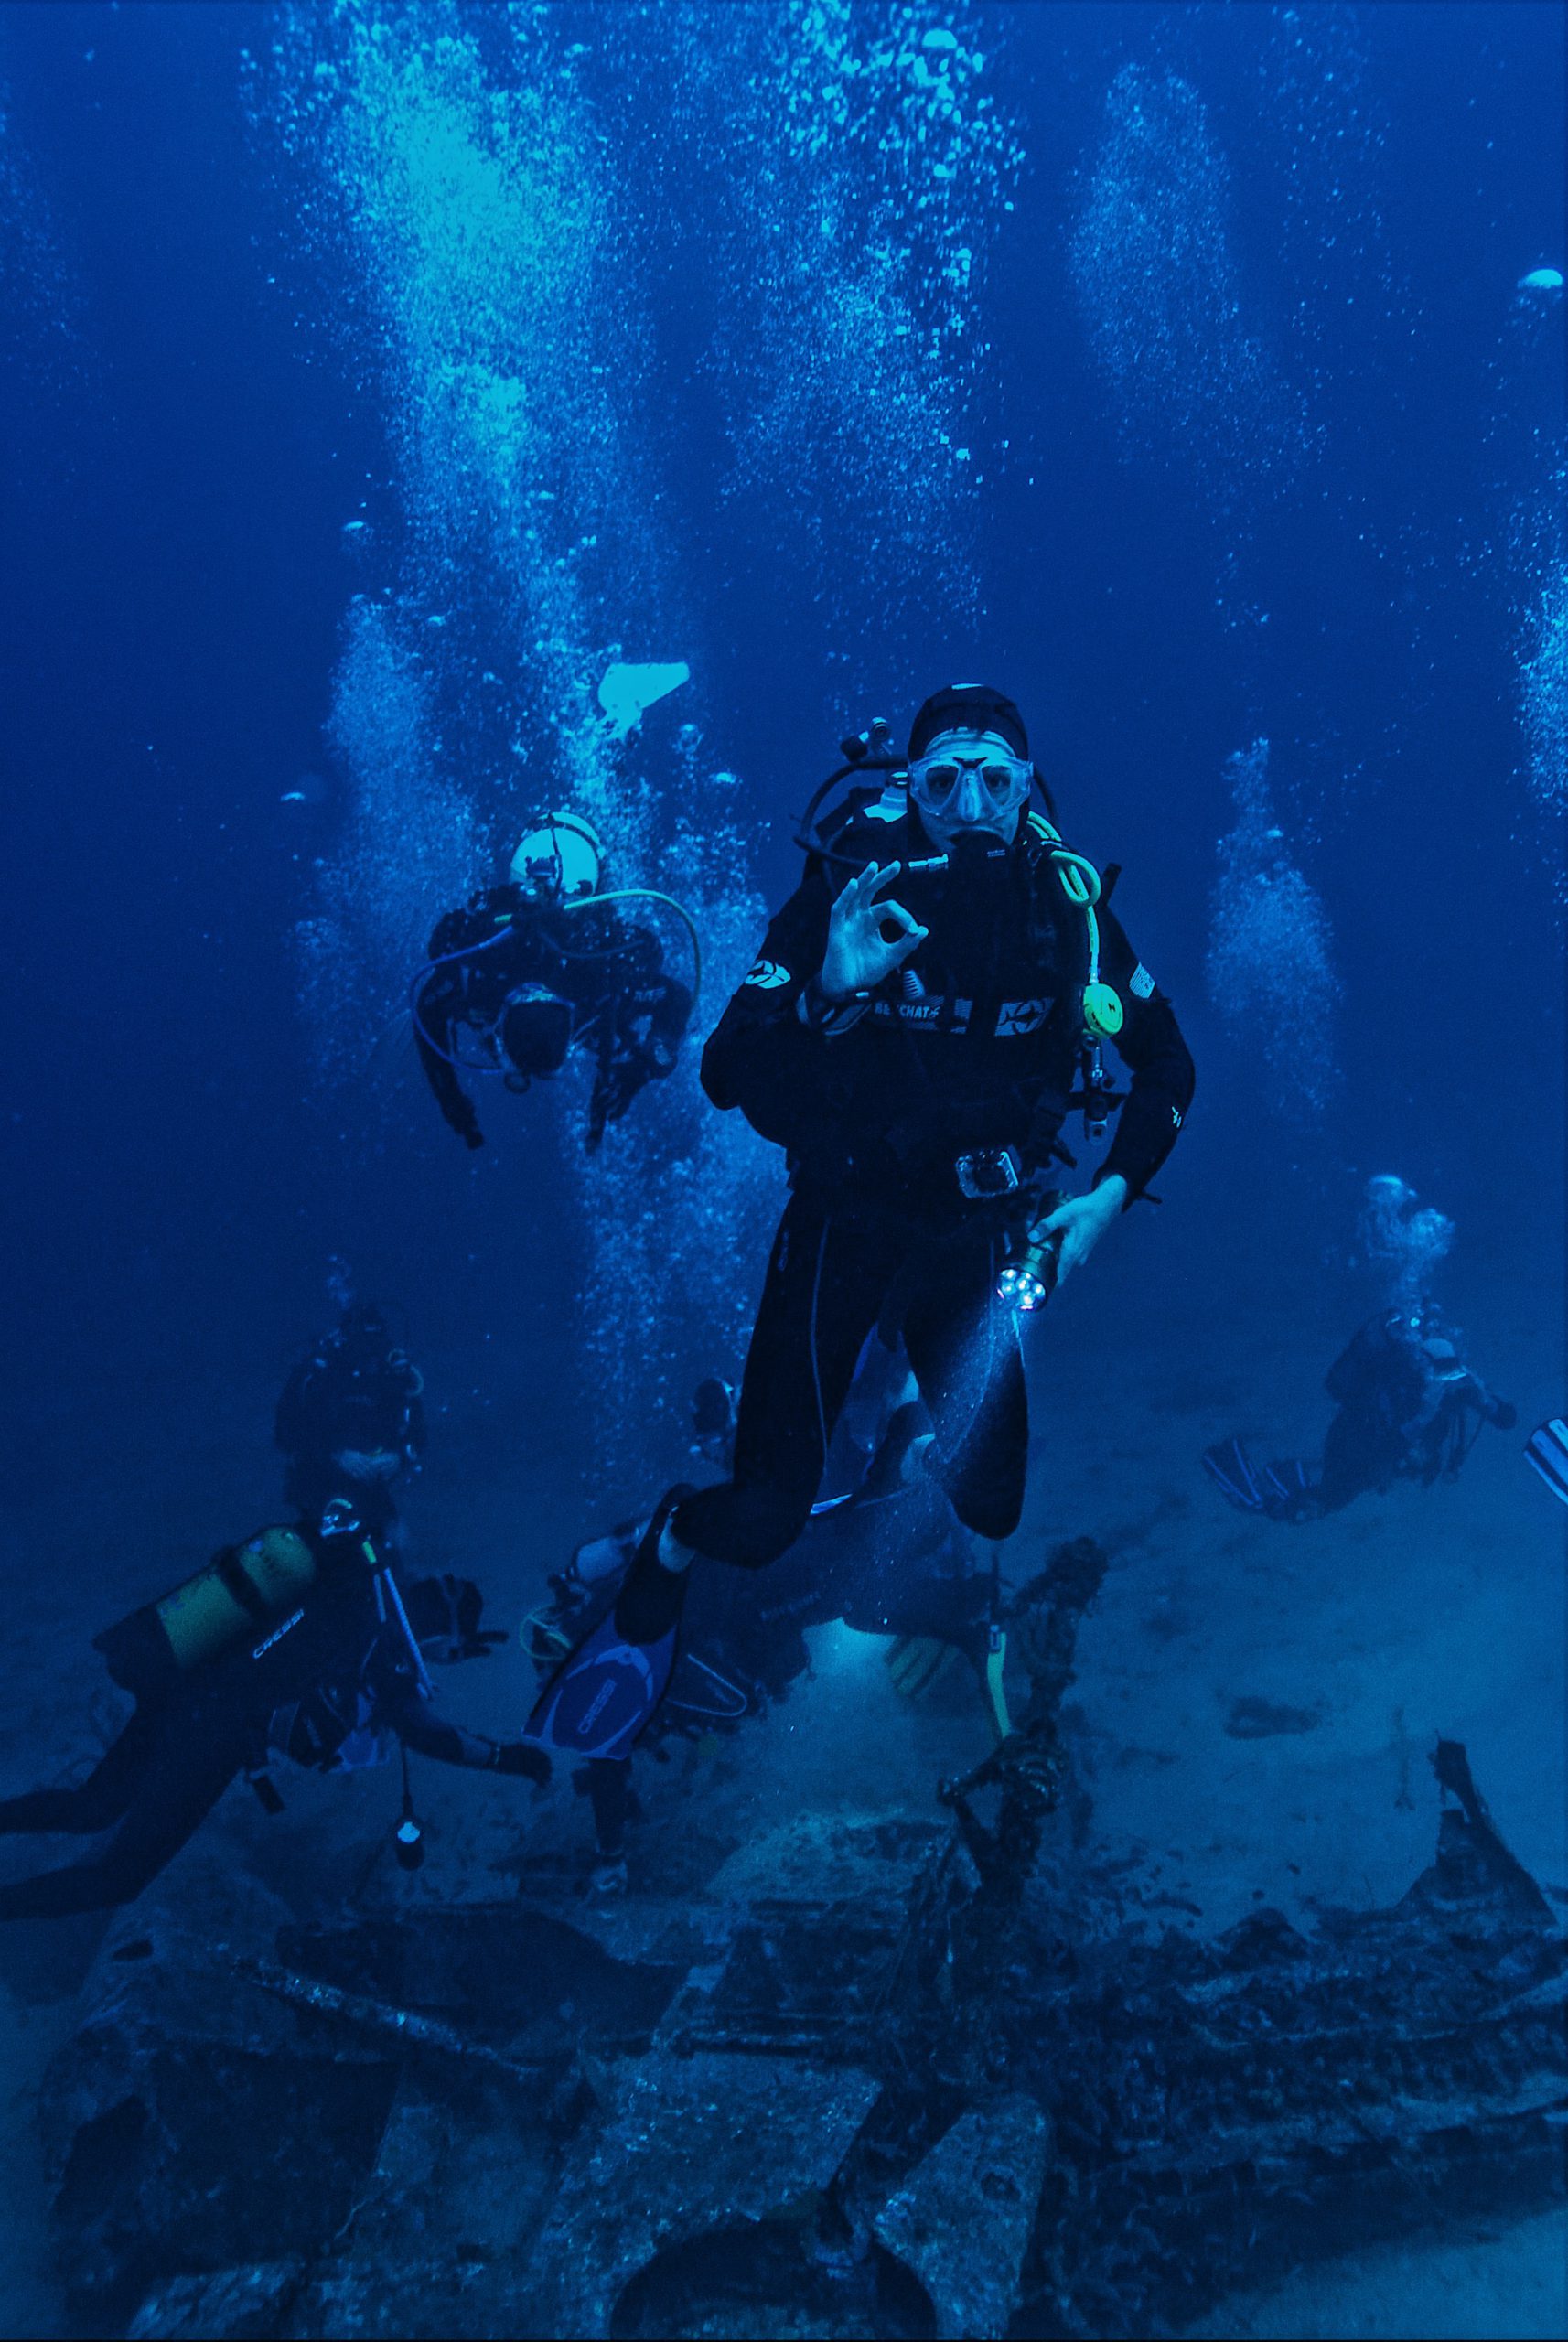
x=1000, y=780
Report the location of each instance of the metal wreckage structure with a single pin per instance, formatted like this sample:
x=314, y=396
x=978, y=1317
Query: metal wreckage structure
x=881, y=2078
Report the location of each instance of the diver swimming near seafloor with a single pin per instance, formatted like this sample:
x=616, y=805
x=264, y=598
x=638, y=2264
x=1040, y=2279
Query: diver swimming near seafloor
x=1408, y=1408
x=299, y=1645
x=527, y=971
x=915, y=1053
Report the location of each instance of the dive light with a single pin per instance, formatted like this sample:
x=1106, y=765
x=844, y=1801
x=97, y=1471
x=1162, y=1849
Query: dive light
x=1026, y=1283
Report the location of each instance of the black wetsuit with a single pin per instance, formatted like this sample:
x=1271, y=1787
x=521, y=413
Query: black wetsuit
x=302, y=1690
x=341, y=1401
x=975, y=1044
x=608, y=972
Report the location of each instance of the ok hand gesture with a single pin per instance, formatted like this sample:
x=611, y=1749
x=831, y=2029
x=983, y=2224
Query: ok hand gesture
x=859, y=953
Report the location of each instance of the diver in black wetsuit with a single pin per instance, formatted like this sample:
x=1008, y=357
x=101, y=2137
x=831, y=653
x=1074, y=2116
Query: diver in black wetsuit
x=914, y=1051
x=525, y=973
x=1408, y=1409
x=298, y=1645
x=351, y=1420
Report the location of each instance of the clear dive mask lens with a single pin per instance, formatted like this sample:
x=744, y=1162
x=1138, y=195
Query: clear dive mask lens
x=936, y=782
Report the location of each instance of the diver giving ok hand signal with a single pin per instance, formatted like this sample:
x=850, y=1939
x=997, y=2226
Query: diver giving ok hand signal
x=920, y=1122
x=859, y=953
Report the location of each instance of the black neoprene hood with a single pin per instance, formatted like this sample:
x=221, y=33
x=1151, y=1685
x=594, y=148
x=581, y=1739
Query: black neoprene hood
x=968, y=707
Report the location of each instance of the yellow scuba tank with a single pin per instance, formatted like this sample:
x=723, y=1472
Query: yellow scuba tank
x=245, y=1589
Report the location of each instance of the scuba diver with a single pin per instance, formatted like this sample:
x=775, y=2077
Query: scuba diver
x=351, y=1420
x=914, y=1053
x=881, y=1550
x=298, y=1644
x=1408, y=1409
x=527, y=971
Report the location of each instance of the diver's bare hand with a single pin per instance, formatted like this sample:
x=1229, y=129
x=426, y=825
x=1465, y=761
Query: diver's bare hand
x=1081, y=1222
x=859, y=953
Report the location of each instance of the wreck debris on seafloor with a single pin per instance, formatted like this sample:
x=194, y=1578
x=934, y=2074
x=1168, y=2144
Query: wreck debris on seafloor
x=883, y=2078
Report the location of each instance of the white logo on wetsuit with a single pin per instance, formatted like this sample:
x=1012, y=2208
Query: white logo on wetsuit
x=1019, y=1016
x=934, y=1013
x=768, y=975
x=1141, y=983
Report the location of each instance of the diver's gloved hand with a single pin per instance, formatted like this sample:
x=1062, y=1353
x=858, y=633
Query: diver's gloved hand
x=859, y=955
x=1081, y=1222
x=1503, y=1414
x=473, y=1136
x=520, y=1759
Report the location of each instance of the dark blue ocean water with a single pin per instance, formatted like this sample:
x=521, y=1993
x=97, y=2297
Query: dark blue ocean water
x=371, y=378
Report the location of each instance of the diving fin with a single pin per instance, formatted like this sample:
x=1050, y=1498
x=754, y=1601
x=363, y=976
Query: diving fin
x=1231, y=1468
x=600, y=1699
x=602, y=1695
x=1290, y=1490
x=916, y=1662
x=1547, y=1449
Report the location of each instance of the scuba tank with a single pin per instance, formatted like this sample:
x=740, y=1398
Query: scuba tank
x=245, y=1592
